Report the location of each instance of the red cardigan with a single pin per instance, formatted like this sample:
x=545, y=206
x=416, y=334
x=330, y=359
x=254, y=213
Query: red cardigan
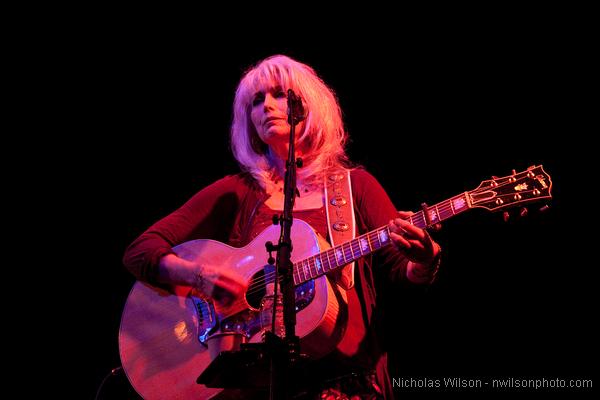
x=224, y=211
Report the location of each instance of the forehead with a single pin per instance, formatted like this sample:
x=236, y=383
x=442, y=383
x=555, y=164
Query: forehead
x=268, y=88
x=266, y=85
x=266, y=79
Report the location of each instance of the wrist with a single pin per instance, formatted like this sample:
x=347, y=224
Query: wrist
x=204, y=281
x=199, y=283
x=418, y=272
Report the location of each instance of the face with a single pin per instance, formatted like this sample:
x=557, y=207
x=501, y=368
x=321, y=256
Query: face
x=269, y=116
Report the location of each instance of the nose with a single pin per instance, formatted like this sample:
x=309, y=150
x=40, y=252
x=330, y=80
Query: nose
x=269, y=102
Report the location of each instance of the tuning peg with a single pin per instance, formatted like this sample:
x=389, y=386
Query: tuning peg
x=505, y=216
x=495, y=177
x=523, y=212
x=545, y=208
x=514, y=171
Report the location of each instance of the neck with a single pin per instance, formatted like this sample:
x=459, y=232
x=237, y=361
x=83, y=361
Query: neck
x=278, y=157
x=279, y=154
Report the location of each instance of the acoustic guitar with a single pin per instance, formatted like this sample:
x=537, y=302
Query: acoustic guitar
x=168, y=338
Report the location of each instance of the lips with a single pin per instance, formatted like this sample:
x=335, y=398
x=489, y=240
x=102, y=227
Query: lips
x=269, y=119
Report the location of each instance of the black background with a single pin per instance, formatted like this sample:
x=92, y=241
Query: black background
x=150, y=114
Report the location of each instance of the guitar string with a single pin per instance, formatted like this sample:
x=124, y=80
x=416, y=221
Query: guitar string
x=241, y=302
x=353, y=244
x=441, y=208
x=259, y=283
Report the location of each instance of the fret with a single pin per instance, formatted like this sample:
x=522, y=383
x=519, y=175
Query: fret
x=351, y=250
x=360, y=245
x=355, y=251
x=369, y=241
x=331, y=258
x=326, y=265
x=377, y=243
x=315, y=266
x=384, y=236
x=339, y=257
x=324, y=262
x=344, y=254
x=446, y=211
x=419, y=220
x=380, y=243
x=358, y=253
x=432, y=216
x=330, y=252
x=460, y=203
x=300, y=270
x=308, y=268
x=318, y=264
x=347, y=256
x=341, y=246
x=435, y=218
x=364, y=245
x=452, y=206
x=351, y=257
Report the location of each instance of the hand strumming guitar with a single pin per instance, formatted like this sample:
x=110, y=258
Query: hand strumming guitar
x=221, y=285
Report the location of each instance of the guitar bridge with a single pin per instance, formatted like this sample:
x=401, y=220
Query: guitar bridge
x=207, y=321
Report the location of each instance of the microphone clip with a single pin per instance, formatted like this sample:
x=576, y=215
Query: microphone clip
x=295, y=108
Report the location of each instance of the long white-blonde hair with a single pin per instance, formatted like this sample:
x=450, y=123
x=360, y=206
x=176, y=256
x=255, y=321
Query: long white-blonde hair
x=323, y=138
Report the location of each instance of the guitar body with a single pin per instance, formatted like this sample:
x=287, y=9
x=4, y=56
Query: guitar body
x=168, y=338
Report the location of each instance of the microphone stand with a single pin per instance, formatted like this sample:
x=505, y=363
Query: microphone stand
x=245, y=368
x=284, y=360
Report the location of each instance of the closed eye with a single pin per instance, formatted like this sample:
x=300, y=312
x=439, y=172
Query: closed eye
x=277, y=92
x=258, y=98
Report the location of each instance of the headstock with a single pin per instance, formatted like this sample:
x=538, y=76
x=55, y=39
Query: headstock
x=495, y=194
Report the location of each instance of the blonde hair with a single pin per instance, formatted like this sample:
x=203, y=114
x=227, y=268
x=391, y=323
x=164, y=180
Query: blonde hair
x=323, y=138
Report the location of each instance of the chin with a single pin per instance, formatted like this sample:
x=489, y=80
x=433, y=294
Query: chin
x=274, y=134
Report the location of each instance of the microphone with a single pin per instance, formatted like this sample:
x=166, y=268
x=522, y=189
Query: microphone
x=295, y=108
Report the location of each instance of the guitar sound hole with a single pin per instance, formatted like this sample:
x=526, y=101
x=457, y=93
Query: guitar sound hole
x=256, y=289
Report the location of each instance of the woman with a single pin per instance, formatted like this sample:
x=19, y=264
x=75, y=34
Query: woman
x=237, y=208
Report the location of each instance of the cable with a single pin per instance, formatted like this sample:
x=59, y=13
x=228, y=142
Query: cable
x=112, y=372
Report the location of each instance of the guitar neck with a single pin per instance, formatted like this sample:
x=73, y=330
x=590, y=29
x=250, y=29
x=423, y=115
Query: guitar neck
x=345, y=253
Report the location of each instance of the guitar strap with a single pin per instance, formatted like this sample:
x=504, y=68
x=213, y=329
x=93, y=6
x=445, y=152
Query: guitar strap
x=340, y=217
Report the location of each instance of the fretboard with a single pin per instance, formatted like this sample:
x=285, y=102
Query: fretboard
x=345, y=253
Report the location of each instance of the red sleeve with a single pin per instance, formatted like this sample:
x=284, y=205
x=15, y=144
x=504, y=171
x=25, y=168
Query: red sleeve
x=375, y=209
x=209, y=214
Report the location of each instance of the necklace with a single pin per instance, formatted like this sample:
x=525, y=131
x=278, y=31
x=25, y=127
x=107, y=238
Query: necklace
x=301, y=188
